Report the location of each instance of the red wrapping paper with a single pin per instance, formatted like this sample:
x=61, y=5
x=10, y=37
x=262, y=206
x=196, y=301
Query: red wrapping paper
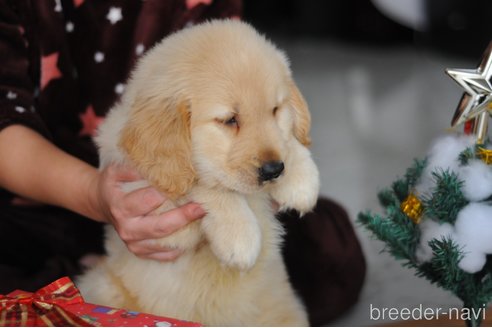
x=60, y=304
x=98, y=315
x=42, y=308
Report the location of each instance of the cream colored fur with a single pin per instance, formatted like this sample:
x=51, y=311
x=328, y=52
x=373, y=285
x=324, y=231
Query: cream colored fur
x=173, y=124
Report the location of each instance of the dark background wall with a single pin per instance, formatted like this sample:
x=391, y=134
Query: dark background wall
x=459, y=27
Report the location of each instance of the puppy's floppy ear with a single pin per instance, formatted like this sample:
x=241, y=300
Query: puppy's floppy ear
x=157, y=140
x=302, y=118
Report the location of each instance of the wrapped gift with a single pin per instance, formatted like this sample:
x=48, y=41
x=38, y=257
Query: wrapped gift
x=60, y=304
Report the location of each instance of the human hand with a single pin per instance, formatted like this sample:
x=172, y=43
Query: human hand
x=130, y=213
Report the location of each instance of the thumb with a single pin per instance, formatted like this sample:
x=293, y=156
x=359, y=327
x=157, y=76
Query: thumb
x=193, y=211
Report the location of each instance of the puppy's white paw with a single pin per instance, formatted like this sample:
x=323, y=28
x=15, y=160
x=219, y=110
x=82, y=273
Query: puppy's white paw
x=236, y=244
x=299, y=188
x=301, y=197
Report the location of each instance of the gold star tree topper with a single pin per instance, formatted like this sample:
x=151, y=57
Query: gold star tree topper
x=476, y=102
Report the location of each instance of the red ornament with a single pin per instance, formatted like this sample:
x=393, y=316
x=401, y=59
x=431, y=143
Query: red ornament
x=468, y=126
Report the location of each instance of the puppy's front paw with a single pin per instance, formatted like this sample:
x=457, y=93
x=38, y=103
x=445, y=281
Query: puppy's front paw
x=301, y=199
x=299, y=188
x=236, y=244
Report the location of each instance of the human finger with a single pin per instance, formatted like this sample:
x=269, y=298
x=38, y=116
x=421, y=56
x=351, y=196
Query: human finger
x=164, y=224
x=141, y=202
x=150, y=249
x=164, y=256
x=146, y=247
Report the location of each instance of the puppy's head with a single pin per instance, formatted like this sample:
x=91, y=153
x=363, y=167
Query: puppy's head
x=215, y=102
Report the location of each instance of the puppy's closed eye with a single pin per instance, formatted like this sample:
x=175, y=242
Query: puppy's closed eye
x=233, y=121
x=228, y=121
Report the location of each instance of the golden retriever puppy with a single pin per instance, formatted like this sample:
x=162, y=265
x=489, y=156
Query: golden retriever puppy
x=211, y=114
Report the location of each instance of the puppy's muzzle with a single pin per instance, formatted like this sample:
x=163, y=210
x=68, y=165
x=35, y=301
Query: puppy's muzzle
x=270, y=170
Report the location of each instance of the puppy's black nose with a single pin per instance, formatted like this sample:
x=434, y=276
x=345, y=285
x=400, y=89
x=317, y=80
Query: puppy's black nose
x=271, y=170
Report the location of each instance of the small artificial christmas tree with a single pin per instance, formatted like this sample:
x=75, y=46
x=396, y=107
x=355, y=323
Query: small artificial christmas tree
x=438, y=216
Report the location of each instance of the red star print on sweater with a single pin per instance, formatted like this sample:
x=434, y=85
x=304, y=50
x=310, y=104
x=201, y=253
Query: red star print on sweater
x=49, y=69
x=90, y=122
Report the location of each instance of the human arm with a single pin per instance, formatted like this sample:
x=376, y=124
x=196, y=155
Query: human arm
x=34, y=168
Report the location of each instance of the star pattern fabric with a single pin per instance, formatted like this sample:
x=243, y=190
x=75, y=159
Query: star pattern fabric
x=78, y=3
x=114, y=15
x=139, y=50
x=193, y=3
x=119, y=88
x=69, y=27
x=49, y=69
x=90, y=122
x=99, y=57
x=63, y=79
x=58, y=7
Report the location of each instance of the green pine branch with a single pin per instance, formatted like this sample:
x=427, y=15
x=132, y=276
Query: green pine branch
x=467, y=155
x=446, y=199
x=399, y=241
x=403, y=186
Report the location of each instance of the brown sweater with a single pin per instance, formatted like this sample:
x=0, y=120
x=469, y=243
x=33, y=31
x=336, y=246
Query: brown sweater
x=64, y=63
